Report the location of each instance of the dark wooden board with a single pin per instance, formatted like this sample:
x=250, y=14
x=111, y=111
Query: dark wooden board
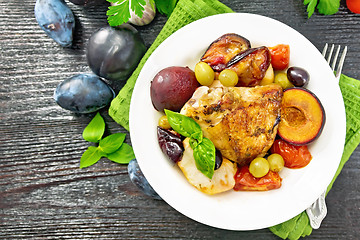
x=43, y=192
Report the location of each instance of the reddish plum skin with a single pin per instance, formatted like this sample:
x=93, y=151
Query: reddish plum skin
x=172, y=87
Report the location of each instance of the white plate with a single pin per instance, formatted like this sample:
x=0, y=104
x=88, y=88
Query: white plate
x=238, y=210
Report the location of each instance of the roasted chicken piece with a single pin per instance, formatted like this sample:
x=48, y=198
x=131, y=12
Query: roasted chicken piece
x=222, y=180
x=241, y=122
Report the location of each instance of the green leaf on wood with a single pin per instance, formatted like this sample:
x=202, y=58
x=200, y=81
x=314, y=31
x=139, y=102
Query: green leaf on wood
x=328, y=7
x=112, y=142
x=311, y=6
x=95, y=129
x=123, y=155
x=90, y=156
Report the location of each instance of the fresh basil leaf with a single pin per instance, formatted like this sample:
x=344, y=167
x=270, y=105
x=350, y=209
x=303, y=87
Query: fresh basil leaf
x=193, y=143
x=90, y=156
x=184, y=125
x=204, y=155
x=123, y=155
x=328, y=7
x=112, y=142
x=311, y=6
x=165, y=6
x=197, y=135
x=94, y=131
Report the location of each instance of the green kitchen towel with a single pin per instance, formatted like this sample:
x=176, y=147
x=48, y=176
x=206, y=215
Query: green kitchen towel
x=188, y=11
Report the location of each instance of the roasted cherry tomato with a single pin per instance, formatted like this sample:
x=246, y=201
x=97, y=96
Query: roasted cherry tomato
x=245, y=181
x=353, y=5
x=294, y=156
x=280, y=56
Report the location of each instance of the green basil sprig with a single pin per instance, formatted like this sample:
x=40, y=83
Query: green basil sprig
x=203, y=148
x=111, y=147
x=204, y=155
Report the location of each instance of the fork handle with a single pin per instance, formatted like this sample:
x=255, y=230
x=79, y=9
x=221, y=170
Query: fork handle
x=317, y=211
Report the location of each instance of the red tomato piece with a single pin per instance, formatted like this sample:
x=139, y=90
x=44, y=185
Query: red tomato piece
x=280, y=56
x=245, y=181
x=294, y=156
x=353, y=5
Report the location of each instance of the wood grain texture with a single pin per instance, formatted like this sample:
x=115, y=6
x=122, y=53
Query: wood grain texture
x=43, y=192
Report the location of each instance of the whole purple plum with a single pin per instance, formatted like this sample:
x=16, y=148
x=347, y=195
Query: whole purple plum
x=114, y=53
x=56, y=19
x=83, y=93
x=172, y=87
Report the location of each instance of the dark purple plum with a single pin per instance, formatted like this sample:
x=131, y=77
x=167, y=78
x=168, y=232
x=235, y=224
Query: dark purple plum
x=170, y=144
x=83, y=93
x=139, y=180
x=114, y=53
x=56, y=19
x=298, y=76
x=172, y=87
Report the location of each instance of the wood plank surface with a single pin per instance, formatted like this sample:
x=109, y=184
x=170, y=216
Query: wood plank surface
x=43, y=192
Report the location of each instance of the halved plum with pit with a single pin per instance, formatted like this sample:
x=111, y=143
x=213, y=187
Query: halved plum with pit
x=250, y=66
x=223, y=49
x=302, y=116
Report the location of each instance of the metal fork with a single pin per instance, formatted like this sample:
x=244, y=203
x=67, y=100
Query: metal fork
x=317, y=211
x=328, y=58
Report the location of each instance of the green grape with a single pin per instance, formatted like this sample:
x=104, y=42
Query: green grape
x=276, y=162
x=259, y=167
x=282, y=79
x=228, y=78
x=204, y=74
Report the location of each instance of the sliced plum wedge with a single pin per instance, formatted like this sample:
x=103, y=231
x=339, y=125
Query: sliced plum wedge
x=250, y=66
x=223, y=49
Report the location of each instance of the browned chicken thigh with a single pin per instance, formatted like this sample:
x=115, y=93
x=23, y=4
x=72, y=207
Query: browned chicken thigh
x=240, y=121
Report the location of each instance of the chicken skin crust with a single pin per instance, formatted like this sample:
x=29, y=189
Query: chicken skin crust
x=242, y=122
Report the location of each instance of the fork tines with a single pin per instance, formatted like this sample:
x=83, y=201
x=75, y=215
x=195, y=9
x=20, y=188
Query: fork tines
x=334, y=61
